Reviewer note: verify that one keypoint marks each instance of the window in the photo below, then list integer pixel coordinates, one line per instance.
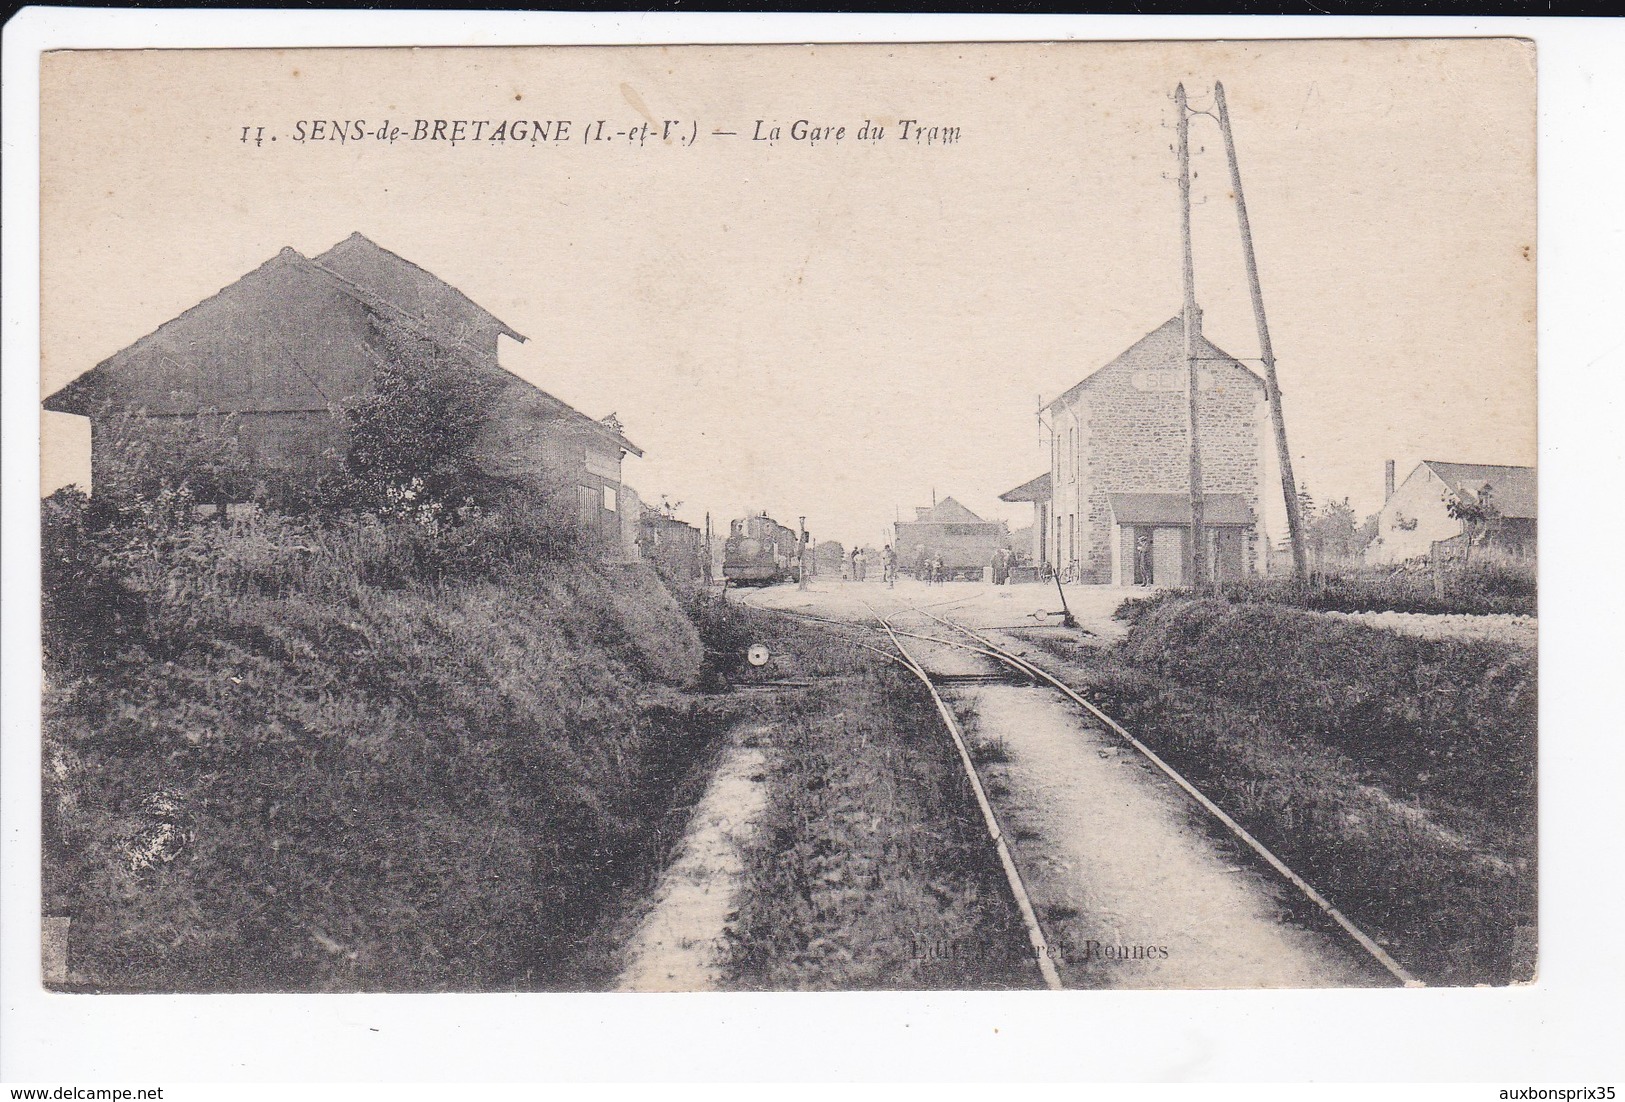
(609, 498)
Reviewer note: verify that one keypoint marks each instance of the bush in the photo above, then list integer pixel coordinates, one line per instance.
(419, 424)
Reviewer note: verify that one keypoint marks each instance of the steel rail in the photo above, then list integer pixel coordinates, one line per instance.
(1018, 888)
(850, 626)
(1360, 937)
(1037, 673)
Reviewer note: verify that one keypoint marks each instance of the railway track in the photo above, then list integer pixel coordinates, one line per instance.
(967, 639)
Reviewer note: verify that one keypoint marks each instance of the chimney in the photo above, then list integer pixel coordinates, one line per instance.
(1387, 480)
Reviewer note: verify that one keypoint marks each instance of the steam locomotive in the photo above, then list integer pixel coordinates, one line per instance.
(760, 551)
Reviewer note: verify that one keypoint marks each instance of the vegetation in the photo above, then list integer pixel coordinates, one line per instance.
(299, 754)
(397, 729)
(1478, 514)
(872, 868)
(418, 426)
(381, 726)
(1485, 586)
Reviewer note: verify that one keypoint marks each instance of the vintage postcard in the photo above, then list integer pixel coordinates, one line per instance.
(784, 518)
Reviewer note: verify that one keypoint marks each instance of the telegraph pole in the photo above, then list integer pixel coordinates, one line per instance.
(708, 547)
(1192, 320)
(801, 556)
(1272, 389)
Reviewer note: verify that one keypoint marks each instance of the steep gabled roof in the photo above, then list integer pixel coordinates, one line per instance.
(1037, 489)
(167, 342)
(386, 277)
(1513, 489)
(948, 511)
(1163, 348)
(375, 277)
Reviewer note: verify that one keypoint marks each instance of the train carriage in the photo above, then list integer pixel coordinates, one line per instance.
(760, 551)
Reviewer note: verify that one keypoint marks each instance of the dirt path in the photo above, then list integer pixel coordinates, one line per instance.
(680, 945)
(1134, 892)
(1520, 631)
(1135, 885)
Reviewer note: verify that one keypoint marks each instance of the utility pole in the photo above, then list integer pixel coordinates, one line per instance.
(1272, 389)
(1192, 321)
(801, 556)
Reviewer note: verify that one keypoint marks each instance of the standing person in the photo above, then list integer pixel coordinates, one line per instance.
(852, 564)
(888, 563)
(1143, 559)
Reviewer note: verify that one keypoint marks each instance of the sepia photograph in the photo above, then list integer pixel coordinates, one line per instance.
(784, 518)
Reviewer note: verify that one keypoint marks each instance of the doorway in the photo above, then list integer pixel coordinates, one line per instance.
(1168, 556)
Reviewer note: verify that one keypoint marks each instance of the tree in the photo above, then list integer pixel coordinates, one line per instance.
(1477, 513)
(415, 433)
(1306, 501)
(1368, 531)
(1334, 532)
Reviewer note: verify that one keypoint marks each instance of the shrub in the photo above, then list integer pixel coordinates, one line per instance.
(419, 424)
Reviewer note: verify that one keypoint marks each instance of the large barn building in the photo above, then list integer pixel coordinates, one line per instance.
(1115, 506)
(276, 357)
(947, 530)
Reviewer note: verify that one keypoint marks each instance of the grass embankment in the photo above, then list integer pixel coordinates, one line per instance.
(1396, 774)
(871, 868)
(1485, 587)
(352, 754)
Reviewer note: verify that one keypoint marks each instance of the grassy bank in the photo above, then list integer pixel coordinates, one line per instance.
(351, 753)
(1396, 774)
(1483, 587)
(872, 869)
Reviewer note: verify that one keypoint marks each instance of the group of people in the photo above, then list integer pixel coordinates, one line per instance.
(929, 567)
(856, 567)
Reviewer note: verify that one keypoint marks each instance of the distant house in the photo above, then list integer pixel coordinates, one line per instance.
(964, 541)
(1415, 520)
(275, 358)
(1118, 507)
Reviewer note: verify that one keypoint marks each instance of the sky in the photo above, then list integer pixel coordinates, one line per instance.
(842, 329)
